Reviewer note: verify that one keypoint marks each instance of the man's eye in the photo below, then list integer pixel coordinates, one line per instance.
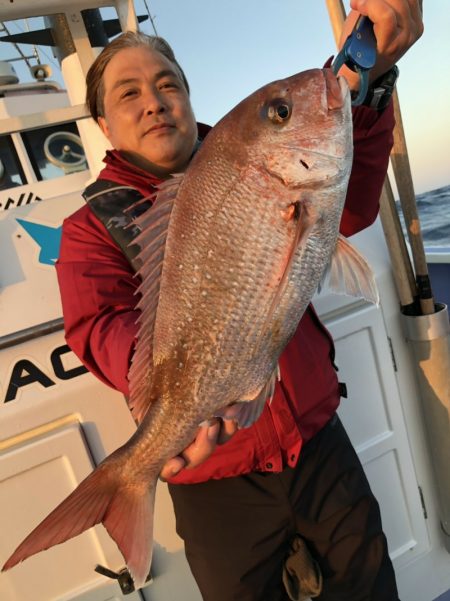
(129, 93)
(168, 84)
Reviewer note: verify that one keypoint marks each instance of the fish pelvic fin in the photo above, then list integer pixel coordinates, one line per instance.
(350, 274)
(246, 412)
(125, 511)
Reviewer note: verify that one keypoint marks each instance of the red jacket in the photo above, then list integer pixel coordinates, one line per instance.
(98, 295)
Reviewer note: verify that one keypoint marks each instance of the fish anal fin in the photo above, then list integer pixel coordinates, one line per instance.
(153, 225)
(350, 274)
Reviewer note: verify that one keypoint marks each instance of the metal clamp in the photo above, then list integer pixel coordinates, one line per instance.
(359, 54)
(123, 578)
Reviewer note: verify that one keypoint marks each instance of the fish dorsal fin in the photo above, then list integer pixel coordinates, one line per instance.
(350, 274)
(151, 241)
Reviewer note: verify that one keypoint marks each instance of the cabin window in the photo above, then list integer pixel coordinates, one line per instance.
(55, 151)
(11, 174)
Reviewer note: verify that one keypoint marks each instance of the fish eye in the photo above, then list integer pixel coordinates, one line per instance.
(279, 111)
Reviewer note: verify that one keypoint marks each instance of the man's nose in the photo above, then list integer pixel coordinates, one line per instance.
(154, 102)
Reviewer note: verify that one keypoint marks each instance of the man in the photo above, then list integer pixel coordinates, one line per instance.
(239, 505)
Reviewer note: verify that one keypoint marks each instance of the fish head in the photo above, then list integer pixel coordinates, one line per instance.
(313, 143)
(298, 130)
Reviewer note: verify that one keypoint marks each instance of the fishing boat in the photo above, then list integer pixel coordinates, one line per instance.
(57, 421)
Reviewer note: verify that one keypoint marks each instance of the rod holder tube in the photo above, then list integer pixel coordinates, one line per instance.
(429, 338)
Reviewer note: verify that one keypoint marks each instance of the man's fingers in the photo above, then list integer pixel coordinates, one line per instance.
(199, 450)
(397, 23)
(232, 411)
(203, 445)
(228, 429)
(171, 468)
(209, 435)
(213, 431)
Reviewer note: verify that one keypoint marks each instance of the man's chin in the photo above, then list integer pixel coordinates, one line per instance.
(174, 160)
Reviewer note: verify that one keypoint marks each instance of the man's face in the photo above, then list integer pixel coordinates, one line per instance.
(147, 112)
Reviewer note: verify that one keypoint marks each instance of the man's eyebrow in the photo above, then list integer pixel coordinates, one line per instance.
(134, 80)
(124, 82)
(166, 73)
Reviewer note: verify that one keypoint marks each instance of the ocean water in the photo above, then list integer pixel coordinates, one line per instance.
(434, 214)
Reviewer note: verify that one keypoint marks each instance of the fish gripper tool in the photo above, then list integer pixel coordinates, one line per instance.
(359, 54)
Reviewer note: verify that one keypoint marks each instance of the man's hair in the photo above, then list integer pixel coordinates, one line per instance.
(95, 89)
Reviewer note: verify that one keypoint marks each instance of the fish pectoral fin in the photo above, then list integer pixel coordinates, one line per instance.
(247, 412)
(305, 218)
(350, 274)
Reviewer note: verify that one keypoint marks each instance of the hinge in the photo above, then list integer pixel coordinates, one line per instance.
(422, 500)
(394, 363)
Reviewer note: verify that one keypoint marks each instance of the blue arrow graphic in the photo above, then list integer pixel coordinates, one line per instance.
(46, 237)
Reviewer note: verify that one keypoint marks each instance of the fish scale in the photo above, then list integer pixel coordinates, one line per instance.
(237, 307)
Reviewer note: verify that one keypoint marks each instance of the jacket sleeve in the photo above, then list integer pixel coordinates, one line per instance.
(372, 143)
(97, 287)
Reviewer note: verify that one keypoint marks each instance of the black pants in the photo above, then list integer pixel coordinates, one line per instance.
(237, 531)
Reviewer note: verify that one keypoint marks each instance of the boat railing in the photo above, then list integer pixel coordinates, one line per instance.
(33, 86)
(55, 116)
(31, 333)
(438, 254)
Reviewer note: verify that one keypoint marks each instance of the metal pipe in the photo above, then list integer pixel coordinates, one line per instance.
(41, 329)
(429, 338)
(62, 37)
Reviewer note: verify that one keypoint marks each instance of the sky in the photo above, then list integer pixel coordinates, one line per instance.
(230, 48)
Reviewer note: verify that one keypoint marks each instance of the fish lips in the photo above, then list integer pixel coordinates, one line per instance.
(337, 90)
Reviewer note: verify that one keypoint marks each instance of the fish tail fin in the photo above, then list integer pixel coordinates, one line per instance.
(129, 522)
(126, 511)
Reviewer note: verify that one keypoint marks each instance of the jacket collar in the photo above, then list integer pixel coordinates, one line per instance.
(121, 171)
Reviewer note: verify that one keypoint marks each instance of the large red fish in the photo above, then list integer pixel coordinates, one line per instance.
(232, 253)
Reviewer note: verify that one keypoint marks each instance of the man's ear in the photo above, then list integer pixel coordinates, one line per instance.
(103, 126)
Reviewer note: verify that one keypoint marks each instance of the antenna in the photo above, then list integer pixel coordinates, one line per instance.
(150, 17)
(22, 57)
(35, 48)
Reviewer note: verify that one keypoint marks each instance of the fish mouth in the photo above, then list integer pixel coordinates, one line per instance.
(336, 90)
(345, 90)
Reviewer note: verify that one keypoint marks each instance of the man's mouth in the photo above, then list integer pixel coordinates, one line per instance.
(159, 127)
